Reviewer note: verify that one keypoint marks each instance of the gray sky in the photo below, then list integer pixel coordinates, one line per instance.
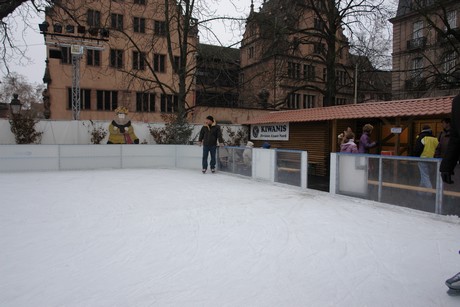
(33, 43)
(35, 50)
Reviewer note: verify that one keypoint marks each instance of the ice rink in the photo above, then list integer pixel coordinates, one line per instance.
(168, 237)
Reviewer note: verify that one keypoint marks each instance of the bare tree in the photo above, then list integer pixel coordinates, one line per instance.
(313, 31)
(28, 93)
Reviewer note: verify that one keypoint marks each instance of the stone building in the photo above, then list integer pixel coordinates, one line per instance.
(426, 42)
(283, 58)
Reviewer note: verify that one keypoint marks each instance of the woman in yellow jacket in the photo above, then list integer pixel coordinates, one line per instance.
(425, 147)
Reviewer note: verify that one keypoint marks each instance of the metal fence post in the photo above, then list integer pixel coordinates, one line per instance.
(380, 178)
(439, 189)
(304, 169)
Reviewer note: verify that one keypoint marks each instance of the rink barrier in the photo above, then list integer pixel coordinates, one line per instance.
(274, 165)
(283, 166)
(404, 181)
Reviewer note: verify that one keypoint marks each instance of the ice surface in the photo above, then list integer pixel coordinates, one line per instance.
(180, 238)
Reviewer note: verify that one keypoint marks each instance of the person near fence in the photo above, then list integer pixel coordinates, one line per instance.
(452, 155)
(266, 145)
(365, 142)
(210, 134)
(247, 153)
(449, 161)
(425, 147)
(341, 136)
(120, 129)
(443, 138)
(349, 145)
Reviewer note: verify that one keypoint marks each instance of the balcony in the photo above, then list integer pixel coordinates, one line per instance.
(416, 43)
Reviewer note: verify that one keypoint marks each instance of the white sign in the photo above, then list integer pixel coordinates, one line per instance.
(273, 132)
(76, 49)
(396, 130)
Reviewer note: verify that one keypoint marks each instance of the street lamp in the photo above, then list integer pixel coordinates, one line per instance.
(15, 105)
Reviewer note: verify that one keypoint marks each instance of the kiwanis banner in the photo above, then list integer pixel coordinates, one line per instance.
(273, 132)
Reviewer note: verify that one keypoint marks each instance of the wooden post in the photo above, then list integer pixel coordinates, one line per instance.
(334, 136)
(398, 137)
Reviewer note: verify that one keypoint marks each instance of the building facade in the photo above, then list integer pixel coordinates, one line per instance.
(118, 53)
(426, 42)
(284, 52)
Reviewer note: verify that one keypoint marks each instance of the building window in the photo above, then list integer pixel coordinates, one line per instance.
(241, 79)
(417, 67)
(341, 77)
(116, 58)
(318, 48)
(319, 24)
(117, 22)
(107, 100)
(293, 70)
(176, 64)
(85, 99)
(159, 62)
(66, 56)
(160, 28)
(293, 101)
(309, 72)
(251, 52)
(139, 25)
(452, 19)
(340, 101)
(93, 19)
(93, 57)
(417, 30)
(142, 2)
(138, 60)
(169, 103)
(449, 62)
(308, 101)
(145, 102)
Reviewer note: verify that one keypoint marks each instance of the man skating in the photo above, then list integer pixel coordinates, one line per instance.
(209, 135)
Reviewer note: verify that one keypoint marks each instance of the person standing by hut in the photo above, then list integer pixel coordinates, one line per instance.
(448, 164)
(425, 147)
(365, 142)
(348, 144)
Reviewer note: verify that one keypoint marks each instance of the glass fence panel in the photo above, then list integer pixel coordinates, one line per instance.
(403, 181)
(235, 160)
(410, 183)
(288, 167)
(451, 196)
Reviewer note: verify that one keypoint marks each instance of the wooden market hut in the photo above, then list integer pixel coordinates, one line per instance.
(315, 130)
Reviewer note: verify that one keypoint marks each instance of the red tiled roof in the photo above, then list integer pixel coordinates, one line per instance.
(396, 108)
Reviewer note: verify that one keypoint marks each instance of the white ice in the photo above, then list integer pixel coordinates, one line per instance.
(168, 237)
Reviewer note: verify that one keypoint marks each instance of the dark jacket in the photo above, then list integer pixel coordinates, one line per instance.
(420, 147)
(210, 134)
(443, 139)
(452, 155)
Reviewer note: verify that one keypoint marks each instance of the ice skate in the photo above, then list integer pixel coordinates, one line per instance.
(454, 282)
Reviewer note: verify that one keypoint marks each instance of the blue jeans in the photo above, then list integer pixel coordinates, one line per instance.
(424, 169)
(206, 151)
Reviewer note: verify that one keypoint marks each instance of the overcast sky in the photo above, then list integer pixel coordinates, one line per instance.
(33, 70)
(32, 41)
